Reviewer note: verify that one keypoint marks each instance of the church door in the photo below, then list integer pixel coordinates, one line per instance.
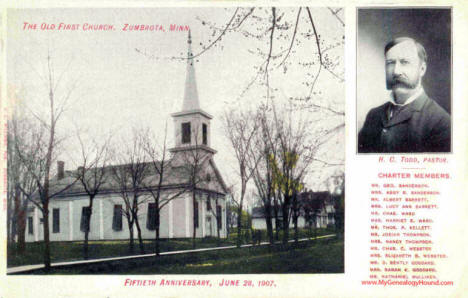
(208, 231)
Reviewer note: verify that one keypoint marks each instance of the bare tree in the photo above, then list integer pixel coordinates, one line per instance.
(92, 175)
(241, 128)
(265, 147)
(58, 99)
(160, 166)
(24, 141)
(295, 153)
(129, 177)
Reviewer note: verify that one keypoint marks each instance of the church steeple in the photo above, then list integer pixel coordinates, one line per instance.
(191, 94)
(191, 124)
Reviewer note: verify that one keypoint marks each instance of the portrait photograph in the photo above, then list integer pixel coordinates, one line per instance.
(404, 80)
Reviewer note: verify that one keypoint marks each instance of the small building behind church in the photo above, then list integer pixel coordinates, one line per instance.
(316, 209)
(192, 139)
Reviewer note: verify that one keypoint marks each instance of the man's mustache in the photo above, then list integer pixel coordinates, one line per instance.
(401, 81)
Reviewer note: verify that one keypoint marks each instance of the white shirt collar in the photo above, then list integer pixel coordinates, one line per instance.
(409, 100)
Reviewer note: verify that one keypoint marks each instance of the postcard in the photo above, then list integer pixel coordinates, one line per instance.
(177, 149)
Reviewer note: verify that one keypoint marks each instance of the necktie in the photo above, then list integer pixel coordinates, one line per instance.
(394, 110)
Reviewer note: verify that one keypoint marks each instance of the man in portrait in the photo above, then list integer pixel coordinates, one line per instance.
(410, 121)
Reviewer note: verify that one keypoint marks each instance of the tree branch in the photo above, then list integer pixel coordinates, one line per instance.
(293, 37)
(335, 13)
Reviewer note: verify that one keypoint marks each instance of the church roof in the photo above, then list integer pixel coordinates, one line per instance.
(175, 177)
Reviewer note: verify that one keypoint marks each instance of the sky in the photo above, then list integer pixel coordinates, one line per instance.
(118, 88)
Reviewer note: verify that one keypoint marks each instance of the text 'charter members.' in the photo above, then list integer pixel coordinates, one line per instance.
(410, 121)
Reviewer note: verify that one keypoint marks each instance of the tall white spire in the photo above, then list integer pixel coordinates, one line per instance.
(191, 95)
(191, 124)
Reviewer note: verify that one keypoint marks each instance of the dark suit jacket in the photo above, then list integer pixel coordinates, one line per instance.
(421, 126)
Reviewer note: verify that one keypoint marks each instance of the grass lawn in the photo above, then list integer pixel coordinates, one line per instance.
(70, 251)
(322, 256)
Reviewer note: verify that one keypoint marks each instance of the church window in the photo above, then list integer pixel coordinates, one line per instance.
(205, 134)
(56, 220)
(85, 216)
(208, 204)
(186, 133)
(195, 213)
(117, 218)
(30, 225)
(151, 218)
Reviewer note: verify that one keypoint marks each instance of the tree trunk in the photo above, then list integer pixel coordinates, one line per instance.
(9, 224)
(285, 221)
(218, 224)
(267, 208)
(157, 236)
(88, 228)
(16, 212)
(132, 242)
(157, 249)
(239, 226)
(219, 235)
(85, 246)
(218, 228)
(269, 226)
(194, 219)
(45, 195)
(310, 230)
(295, 217)
(277, 225)
(20, 215)
(339, 218)
(140, 239)
(45, 214)
(21, 231)
(296, 230)
(315, 228)
(12, 216)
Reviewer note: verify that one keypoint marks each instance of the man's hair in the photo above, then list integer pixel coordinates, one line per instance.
(421, 51)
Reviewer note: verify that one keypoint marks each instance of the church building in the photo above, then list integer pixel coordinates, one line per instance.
(192, 150)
